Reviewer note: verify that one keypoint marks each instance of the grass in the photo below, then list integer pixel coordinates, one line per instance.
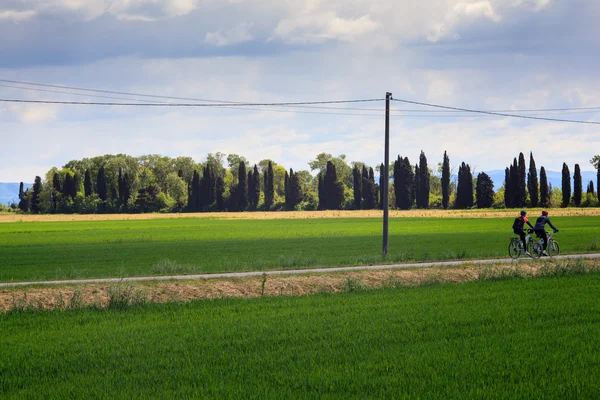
(514, 338)
(87, 249)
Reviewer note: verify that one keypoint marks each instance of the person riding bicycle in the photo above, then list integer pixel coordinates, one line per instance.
(518, 226)
(540, 229)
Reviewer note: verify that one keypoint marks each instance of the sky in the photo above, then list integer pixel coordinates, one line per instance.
(476, 54)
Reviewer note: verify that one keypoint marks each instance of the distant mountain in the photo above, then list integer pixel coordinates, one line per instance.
(9, 192)
(555, 178)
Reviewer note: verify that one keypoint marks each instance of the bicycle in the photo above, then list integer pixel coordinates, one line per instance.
(536, 247)
(515, 247)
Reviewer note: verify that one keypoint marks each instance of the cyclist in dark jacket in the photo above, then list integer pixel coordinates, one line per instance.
(518, 226)
(540, 229)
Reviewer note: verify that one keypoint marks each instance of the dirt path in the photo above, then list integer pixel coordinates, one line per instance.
(102, 292)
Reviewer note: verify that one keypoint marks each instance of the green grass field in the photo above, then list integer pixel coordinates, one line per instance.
(65, 250)
(519, 338)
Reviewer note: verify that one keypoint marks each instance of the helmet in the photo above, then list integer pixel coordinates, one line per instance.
(544, 212)
(523, 212)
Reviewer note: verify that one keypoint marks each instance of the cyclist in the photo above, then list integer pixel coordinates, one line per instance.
(540, 229)
(518, 226)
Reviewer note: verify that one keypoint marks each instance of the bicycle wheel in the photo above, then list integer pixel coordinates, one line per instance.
(514, 251)
(553, 248)
(535, 249)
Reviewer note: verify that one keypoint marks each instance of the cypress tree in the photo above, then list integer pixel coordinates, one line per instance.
(577, 186)
(294, 191)
(368, 191)
(121, 187)
(403, 183)
(286, 184)
(256, 186)
(532, 182)
(56, 183)
(590, 188)
(522, 171)
(372, 191)
(219, 190)
(101, 184)
(484, 190)
(87, 183)
(69, 186)
(417, 186)
(21, 194)
(515, 180)
(507, 189)
(269, 186)
(35, 195)
(196, 192)
(251, 202)
(357, 179)
(544, 193)
(464, 189)
(422, 189)
(566, 186)
(242, 189)
(321, 193)
(598, 181)
(333, 189)
(126, 188)
(25, 201)
(445, 181)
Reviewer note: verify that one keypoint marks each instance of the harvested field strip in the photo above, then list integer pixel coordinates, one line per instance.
(487, 213)
(98, 295)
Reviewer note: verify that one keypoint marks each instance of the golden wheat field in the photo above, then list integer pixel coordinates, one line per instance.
(10, 217)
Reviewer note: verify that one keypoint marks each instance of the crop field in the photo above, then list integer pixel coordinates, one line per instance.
(36, 250)
(515, 338)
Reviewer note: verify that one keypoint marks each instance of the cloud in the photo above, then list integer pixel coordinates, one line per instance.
(238, 34)
(16, 15)
(36, 113)
(317, 28)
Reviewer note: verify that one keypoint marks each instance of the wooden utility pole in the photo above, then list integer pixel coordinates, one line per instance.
(386, 178)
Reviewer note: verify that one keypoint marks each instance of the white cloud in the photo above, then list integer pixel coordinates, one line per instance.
(316, 28)
(238, 34)
(16, 15)
(36, 113)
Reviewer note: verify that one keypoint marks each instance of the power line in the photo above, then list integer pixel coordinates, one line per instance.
(299, 105)
(497, 113)
(228, 105)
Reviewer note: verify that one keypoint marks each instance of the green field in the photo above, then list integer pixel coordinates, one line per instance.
(520, 338)
(59, 250)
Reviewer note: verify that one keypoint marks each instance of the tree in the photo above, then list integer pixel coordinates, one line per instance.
(234, 162)
(294, 191)
(87, 184)
(484, 190)
(334, 191)
(368, 186)
(507, 188)
(21, 191)
(577, 186)
(422, 184)
(219, 191)
(357, 179)
(321, 192)
(269, 186)
(544, 193)
(69, 186)
(58, 187)
(254, 194)
(595, 161)
(590, 188)
(343, 170)
(23, 199)
(176, 188)
(522, 183)
(101, 184)
(35, 195)
(146, 199)
(464, 189)
(242, 188)
(445, 181)
(194, 200)
(403, 183)
(566, 186)
(532, 182)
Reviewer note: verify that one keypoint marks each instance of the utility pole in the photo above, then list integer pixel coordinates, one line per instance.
(385, 172)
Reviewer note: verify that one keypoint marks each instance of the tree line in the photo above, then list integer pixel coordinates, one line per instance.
(153, 183)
